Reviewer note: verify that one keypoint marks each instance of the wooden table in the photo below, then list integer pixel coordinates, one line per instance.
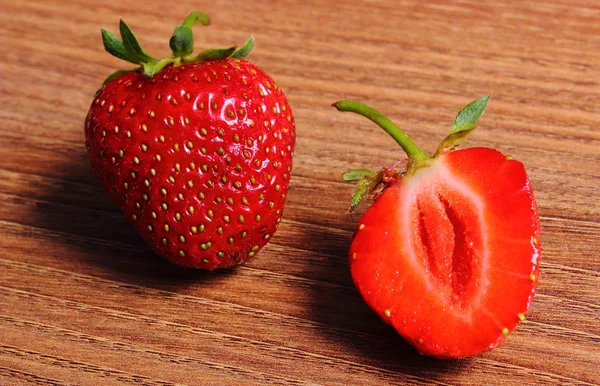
(84, 301)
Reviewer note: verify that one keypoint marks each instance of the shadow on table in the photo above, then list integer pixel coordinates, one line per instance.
(350, 323)
(100, 236)
(107, 246)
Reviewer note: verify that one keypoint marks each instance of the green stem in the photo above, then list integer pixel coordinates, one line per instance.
(196, 17)
(414, 153)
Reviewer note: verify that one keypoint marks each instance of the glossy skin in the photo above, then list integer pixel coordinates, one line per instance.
(198, 158)
(450, 255)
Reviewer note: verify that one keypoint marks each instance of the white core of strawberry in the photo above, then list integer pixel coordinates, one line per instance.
(437, 177)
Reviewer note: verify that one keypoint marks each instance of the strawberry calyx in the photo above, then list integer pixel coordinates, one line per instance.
(181, 43)
(465, 121)
(369, 182)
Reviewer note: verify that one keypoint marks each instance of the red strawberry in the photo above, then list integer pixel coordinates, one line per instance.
(449, 252)
(196, 149)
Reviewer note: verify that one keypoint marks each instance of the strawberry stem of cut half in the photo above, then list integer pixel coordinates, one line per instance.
(182, 46)
(414, 153)
(464, 122)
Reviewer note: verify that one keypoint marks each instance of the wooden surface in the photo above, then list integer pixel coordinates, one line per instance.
(83, 300)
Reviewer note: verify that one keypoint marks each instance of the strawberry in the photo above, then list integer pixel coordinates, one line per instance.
(196, 149)
(449, 252)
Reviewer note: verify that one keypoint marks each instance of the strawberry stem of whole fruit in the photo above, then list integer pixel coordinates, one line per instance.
(464, 122)
(181, 43)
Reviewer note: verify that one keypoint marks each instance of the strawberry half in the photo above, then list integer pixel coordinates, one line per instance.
(196, 149)
(449, 252)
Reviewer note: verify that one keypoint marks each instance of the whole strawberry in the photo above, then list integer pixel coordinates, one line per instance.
(196, 149)
(449, 252)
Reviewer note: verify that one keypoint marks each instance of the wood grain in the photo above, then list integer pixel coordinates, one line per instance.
(84, 301)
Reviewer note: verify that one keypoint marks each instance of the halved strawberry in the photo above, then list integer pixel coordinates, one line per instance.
(449, 252)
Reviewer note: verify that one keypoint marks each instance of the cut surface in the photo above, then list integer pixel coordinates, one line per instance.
(449, 256)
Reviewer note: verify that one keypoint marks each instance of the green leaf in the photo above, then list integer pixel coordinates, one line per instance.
(154, 66)
(132, 45)
(196, 17)
(362, 189)
(466, 120)
(366, 184)
(114, 46)
(245, 50)
(182, 41)
(357, 174)
(215, 54)
(451, 142)
(115, 74)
